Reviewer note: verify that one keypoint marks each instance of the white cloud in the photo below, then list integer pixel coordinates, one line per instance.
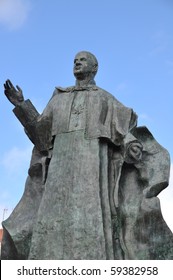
(166, 198)
(15, 159)
(14, 13)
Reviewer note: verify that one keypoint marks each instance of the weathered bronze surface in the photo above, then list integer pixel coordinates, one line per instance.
(93, 181)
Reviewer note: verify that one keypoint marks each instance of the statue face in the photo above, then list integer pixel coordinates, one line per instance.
(83, 65)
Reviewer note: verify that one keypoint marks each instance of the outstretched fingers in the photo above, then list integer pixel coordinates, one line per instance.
(8, 85)
(5, 86)
(18, 88)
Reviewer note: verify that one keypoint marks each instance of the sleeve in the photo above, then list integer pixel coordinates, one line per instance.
(126, 121)
(37, 127)
(26, 112)
(128, 142)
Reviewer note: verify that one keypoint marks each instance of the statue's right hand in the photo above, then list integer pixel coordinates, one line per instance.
(15, 96)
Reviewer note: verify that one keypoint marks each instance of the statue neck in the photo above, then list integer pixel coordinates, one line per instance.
(81, 83)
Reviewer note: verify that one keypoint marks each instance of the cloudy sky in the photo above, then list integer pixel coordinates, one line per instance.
(133, 41)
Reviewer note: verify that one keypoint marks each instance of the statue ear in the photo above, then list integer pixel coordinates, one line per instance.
(95, 68)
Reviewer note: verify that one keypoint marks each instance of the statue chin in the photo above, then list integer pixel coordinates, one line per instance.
(79, 75)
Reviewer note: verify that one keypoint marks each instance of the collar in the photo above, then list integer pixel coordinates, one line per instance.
(77, 88)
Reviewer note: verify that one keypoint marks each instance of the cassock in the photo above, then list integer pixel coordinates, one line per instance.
(84, 198)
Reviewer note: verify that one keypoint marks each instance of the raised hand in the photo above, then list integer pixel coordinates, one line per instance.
(14, 95)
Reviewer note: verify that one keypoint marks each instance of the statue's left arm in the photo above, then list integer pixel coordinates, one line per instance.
(132, 149)
(125, 120)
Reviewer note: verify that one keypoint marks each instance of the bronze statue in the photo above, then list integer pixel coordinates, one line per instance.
(93, 181)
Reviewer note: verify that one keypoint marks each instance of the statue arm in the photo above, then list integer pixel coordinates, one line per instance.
(125, 120)
(37, 127)
(132, 149)
(26, 112)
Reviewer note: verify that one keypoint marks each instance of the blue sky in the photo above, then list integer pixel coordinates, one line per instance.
(133, 41)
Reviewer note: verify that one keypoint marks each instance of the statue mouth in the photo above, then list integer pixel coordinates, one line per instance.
(77, 68)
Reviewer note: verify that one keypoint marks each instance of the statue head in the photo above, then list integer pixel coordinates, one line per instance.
(85, 66)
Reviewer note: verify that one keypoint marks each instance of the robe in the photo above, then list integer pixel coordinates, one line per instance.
(84, 197)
